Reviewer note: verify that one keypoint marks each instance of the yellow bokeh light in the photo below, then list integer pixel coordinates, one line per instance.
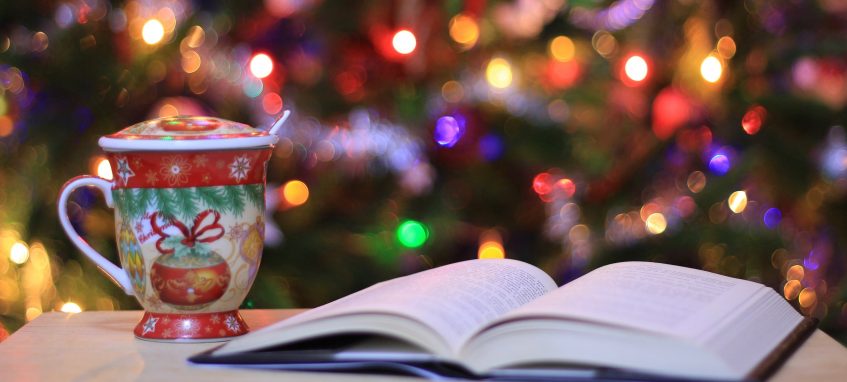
(71, 307)
(711, 69)
(656, 223)
(737, 201)
(562, 48)
(726, 47)
(261, 65)
(404, 41)
(796, 272)
(499, 73)
(807, 298)
(19, 253)
(792, 289)
(636, 68)
(464, 30)
(32, 312)
(491, 250)
(104, 170)
(295, 192)
(191, 61)
(153, 31)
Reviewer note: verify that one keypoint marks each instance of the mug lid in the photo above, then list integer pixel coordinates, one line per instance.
(187, 133)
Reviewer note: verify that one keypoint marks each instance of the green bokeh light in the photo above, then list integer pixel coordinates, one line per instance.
(412, 234)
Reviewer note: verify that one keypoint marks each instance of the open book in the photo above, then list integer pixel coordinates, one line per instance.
(507, 319)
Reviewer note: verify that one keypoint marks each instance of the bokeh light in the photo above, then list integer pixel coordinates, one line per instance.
(719, 164)
(498, 72)
(772, 217)
(542, 184)
(32, 313)
(795, 272)
(153, 31)
(562, 48)
(696, 181)
(104, 170)
(807, 298)
(711, 69)
(452, 91)
(636, 68)
(71, 307)
(491, 245)
(272, 103)
(753, 119)
(737, 201)
(792, 289)
(19, 253)
(295, 193)
(404, 41)
(6, 126)
(656, 223)
(412, 234)
(261, 65)
(726, 47)
(448, 131)
(464, 30)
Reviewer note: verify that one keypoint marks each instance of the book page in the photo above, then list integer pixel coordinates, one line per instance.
(453, 300)
(655, 297)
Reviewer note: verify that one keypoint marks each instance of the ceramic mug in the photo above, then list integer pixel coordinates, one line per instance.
(188, 195)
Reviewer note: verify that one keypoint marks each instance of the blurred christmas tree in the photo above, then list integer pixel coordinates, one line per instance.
(566, 134)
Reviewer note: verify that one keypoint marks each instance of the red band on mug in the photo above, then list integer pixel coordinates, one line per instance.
(188, 168)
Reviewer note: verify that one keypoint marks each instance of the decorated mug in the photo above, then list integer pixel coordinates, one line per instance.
(188, 195)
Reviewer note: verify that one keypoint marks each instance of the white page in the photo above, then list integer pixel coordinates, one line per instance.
(455, 300)
(655, 297)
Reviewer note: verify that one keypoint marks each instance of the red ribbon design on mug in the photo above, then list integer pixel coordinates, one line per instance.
(198, 233)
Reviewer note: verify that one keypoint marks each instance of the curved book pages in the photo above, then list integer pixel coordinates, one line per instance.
(505, 319)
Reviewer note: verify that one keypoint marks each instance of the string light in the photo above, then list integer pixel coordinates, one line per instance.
(152, 32)
(711, 69)
(636, 68)
(412, 234)
(295, 193)
(404, 41)
(261, 65)
(499, 73)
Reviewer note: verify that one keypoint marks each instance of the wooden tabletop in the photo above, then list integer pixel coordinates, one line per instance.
(99, 346)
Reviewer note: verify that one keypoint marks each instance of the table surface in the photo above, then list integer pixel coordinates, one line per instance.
(99, 346)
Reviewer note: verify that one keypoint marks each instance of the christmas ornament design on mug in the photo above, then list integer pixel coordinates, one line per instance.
(189, 203)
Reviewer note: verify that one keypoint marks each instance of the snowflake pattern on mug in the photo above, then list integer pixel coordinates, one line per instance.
(232, 324)
(239, 167)
(175, 169)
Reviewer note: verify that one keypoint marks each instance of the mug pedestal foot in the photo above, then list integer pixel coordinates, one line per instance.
(190, 327)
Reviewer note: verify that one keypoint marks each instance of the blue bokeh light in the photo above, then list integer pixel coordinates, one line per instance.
(719, 164)
(448, 130)
(772, 217)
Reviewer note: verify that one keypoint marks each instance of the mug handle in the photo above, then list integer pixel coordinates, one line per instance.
(111, 270)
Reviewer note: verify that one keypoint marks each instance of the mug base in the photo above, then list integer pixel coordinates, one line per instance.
(190, 327)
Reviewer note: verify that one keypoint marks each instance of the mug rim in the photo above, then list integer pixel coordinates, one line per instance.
(121, 144)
